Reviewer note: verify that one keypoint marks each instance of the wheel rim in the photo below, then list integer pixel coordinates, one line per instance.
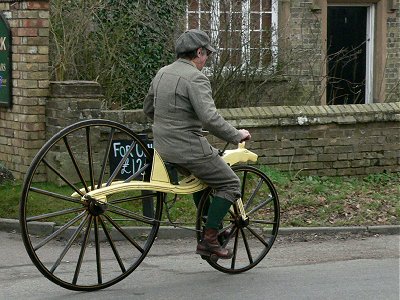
(252, 239)
(97, 244)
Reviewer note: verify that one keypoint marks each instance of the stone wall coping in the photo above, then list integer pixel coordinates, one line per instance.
(289, 115)
(75, 89)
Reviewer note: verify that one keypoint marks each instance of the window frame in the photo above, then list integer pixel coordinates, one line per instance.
(245, 37)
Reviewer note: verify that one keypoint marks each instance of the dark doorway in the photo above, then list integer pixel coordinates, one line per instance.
(347, 32)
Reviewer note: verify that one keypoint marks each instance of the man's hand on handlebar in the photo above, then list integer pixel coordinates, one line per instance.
(245, 135)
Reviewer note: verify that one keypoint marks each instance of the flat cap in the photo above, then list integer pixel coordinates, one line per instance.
(191, 40)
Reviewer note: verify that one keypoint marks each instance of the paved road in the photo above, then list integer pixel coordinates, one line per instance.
(299, 267)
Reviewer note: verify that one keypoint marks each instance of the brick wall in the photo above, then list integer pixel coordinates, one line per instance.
(22, 127)
(304, 56)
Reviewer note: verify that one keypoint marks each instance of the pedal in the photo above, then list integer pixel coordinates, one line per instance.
(214, 258)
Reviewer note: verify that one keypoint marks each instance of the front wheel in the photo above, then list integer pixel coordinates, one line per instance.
(93, 244)
(249, 239)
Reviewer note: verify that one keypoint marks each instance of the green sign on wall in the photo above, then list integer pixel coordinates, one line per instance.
(5, 63)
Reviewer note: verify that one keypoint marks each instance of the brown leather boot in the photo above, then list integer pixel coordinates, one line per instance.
(209, 245)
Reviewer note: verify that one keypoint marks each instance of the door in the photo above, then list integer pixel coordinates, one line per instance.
(349, 54)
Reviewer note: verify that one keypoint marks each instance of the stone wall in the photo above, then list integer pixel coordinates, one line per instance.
(22, 127)
(315, 140)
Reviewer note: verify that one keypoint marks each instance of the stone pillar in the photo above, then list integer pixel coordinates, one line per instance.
(22, 127)
(70, 102)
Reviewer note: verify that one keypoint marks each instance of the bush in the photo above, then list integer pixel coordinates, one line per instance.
(5, 174)
(119, 43)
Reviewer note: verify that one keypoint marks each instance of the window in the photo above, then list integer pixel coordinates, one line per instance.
(243, 31)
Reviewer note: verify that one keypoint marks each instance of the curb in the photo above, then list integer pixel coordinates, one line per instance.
(170, 232)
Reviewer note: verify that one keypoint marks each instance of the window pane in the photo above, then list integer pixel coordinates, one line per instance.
(193, 21)
(225, 5)
(255, 5)
(236, 58)
(266, 21)
(193, 5)
(236, 40)
(255, 58)
(266, 57)
(237, 5)
(205, 22)
(205, 5)
(236, 22)
(266, 39)
(267, 5)
(255, 21)
(255, 39)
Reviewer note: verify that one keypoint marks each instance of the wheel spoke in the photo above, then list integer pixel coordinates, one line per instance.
(114, 249)
(258, 236)
(69, 244)
(263, 222)
(235, 247)
(78, 170)
(260, 182)
(106, 154)
(262, 204)
(54, 214)
(62, 177)
(246, 245)
(129, 214)
(122, 231)
(133, 176)
(90, 156)
(58, 231)
(97, 245)
(122, 161)
(83, 249)
(244, 183)
(55, 195)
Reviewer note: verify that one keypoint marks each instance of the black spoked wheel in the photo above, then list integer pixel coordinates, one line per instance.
(79, 242)
(249, 239)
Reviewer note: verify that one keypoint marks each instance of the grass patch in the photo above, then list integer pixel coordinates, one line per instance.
(305, 201)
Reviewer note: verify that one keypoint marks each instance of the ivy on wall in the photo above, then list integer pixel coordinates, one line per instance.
(119, 43)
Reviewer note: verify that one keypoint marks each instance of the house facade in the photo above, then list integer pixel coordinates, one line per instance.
(311, 52)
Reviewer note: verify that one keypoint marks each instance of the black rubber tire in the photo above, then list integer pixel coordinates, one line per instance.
(252, 240)
(123, 229)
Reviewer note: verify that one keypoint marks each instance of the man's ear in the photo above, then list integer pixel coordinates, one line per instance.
(199, 52)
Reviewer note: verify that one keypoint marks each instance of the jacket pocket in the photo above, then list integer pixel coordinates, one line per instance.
(207, 150)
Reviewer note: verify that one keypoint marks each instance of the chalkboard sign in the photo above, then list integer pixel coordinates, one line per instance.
(135, 161)
(5, 63)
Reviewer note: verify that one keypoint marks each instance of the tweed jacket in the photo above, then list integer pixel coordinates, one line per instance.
(181, 105)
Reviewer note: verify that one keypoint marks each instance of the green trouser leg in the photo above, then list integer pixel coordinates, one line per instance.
(197, 197)
(217, 211)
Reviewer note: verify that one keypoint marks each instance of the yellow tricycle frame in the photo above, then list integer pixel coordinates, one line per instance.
(160, 179)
